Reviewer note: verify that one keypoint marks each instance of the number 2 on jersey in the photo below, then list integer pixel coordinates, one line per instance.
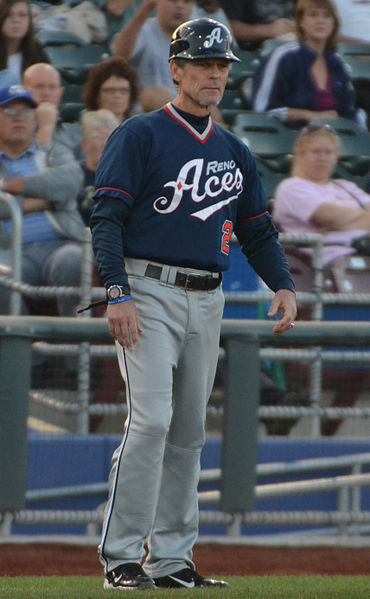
(227, 229)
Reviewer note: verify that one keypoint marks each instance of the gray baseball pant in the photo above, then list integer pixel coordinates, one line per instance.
(169, 376)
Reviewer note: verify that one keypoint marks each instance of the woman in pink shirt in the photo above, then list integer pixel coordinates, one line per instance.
(311, 201)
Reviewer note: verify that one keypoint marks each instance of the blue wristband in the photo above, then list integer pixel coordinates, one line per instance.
(125, 298)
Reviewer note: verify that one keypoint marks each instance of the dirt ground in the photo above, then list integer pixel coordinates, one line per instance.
(211, 558)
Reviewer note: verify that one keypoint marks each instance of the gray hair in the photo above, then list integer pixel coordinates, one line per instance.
(98, 119)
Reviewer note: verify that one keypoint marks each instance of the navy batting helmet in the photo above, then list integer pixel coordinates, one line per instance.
(200, 39)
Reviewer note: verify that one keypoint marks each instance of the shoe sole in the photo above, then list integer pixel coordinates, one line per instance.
(145, 585)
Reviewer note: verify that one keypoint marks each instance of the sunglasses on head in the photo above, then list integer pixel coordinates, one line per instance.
(312, 127)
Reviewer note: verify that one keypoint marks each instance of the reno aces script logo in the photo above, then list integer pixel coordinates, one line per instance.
(214, 36)
(216, 184)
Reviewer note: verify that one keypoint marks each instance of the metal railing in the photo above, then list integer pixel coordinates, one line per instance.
(242, 342)
(317, 299)
(348, 487)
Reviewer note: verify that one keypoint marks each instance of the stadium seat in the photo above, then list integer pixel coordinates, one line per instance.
(52, 37)
(354, 150)
(70, 111)
(242, 70)
(232, 99)
(73, 61)
(353, 49)
(269, 178)
(267, 138)
(72, 92)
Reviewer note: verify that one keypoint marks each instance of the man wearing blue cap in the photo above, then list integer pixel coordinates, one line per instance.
(44, 180)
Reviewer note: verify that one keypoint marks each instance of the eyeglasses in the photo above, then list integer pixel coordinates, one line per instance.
(25, 113)
(115, 90)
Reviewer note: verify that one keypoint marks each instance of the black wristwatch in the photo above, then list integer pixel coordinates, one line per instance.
(115, 292)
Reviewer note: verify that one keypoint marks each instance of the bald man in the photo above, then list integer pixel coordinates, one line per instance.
(44, 82)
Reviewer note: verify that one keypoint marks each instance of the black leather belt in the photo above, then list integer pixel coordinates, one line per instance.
(188, 281)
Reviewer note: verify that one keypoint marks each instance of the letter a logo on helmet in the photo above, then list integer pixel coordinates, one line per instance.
(202, 38)
(215, 35)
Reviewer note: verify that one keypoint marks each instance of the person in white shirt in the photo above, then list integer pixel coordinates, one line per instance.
(144, 41)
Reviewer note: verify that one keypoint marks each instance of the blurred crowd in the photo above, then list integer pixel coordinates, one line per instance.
(48, 161)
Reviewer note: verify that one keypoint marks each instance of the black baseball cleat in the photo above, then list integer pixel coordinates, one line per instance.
(188, 579)
(129, 576)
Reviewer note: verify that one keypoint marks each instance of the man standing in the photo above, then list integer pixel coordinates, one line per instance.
(171, 188)
(144, 41)
(45, 180)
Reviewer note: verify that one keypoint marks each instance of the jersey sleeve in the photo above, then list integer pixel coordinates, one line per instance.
(258, 236)
(120, 166)
(117, 185)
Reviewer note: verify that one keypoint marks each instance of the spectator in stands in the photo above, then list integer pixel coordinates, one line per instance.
(112, 84)
(311, 201)
(306, 80)
(145, 41)
(154, 97)
(253, 21)
(97, 125)
(211, 9)
(18, 46)
(117, 13)
(44, 180)
(44, 83)
(354, 19)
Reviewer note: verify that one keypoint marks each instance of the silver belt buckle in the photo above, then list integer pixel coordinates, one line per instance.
(187, 281)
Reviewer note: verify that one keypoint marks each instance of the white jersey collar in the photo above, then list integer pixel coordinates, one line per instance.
(202, 137)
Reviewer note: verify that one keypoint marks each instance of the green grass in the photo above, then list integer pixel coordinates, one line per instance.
(250, 587)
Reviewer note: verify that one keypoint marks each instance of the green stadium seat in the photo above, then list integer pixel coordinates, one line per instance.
(270, 179)
(267, 138)
(74, 62)
(242, 70)
(232, 99)
(354, 150)
(70, 111)
(58, 38)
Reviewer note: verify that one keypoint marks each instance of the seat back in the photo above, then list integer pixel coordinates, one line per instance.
(265, 136)
(74, 62)
(351, 274)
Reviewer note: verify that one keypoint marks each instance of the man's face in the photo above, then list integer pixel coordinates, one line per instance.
(17, 123)
(201, 82)
(171, 13)
(44, 85)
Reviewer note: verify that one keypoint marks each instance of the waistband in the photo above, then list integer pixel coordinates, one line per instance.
(187, 278)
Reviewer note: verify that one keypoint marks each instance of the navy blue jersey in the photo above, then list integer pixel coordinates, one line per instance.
(167, 193)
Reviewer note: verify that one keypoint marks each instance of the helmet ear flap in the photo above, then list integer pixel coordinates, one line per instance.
(178, 46)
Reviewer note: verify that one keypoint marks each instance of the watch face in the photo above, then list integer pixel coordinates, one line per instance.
(114, 292)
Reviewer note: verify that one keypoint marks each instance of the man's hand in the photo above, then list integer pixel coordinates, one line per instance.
(117, 8)
(280, 27)
(324, 114)
(124, 323)
(283, 301)
(46, 117)
(35, 205)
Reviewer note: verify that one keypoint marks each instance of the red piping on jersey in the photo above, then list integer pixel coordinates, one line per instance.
(116, 189)
(189, 128)
(254, 217)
